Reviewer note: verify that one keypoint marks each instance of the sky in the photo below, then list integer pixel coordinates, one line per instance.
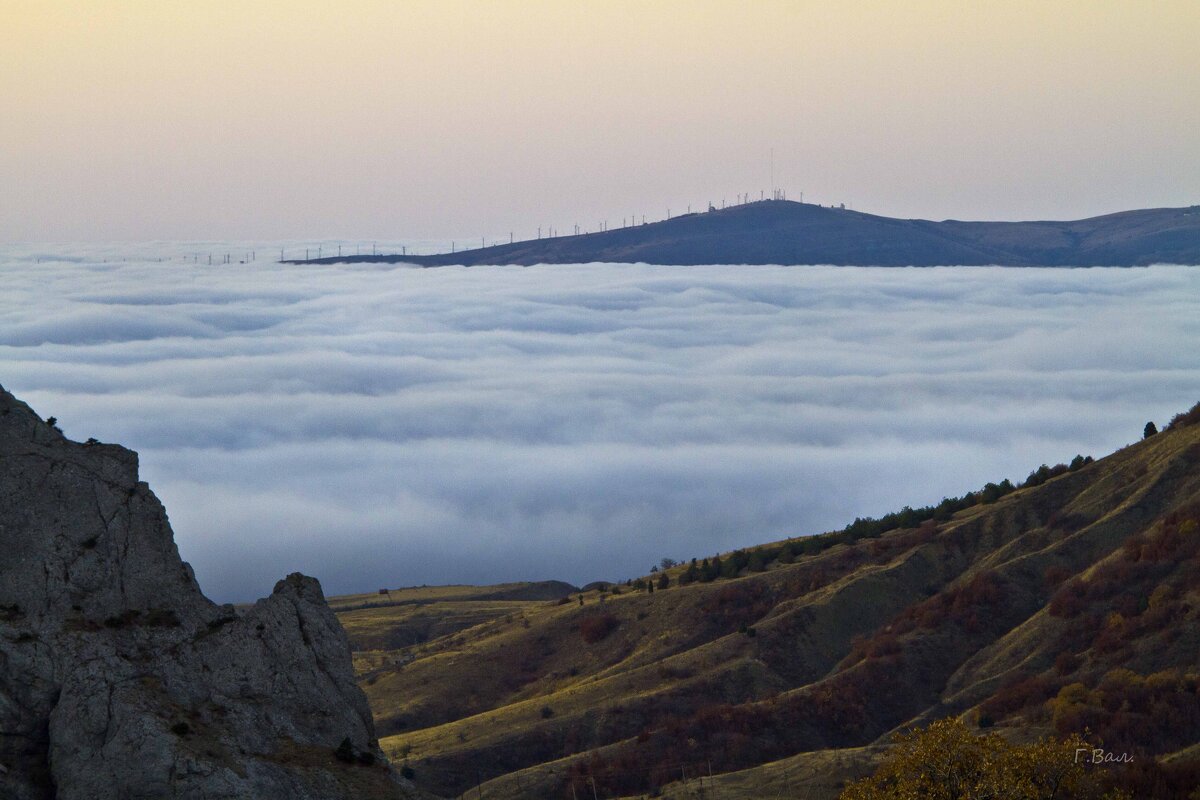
(285, 119)
(381, 426)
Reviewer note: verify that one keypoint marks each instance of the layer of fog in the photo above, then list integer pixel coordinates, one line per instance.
(391, 426)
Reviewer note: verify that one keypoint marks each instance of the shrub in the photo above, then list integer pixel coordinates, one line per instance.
(597, 627)
(1073, 708)
(1055, 575)
(946, 761)
(1043, 474)
(1070, 600)
(123, 620)
(152, 618)
(345, 751)
(1189, 417)
(994, 491)
(1019, 693)
(968, 605)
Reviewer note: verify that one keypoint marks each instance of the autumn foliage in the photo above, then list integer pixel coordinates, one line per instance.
(597, 627)
(947, 761)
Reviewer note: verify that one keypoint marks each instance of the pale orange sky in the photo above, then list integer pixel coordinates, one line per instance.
(140, 119)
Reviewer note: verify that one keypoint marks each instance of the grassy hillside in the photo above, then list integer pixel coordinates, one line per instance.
(388, 627)
(1070, 602)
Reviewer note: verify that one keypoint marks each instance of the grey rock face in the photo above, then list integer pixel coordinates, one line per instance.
(119, 679)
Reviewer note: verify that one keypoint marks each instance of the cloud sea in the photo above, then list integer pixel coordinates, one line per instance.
(386, 426)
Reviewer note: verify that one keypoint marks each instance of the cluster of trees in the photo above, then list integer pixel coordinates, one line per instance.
(731, 566)
(649, 584)
(908, 517)
(968, 607)
(945, 761)
(758, 559)
(1019, 693)
(1142, 714)
(1138, 593)
(1129, 713)
(1189, 417)
(1181, 420)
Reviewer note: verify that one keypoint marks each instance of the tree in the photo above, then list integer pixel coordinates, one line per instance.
(946, 761)
(664, 581)
(714, 569)
(1149, 430)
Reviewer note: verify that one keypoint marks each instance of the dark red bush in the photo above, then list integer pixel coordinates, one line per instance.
(596, 627)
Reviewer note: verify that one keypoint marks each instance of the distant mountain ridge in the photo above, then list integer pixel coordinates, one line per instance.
(791, 233)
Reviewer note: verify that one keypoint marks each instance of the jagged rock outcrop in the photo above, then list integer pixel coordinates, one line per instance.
(119, 679)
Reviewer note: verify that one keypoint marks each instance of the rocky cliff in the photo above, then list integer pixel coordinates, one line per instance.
(119, 679)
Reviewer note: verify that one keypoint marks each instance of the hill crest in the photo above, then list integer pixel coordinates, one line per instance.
(791, 233)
